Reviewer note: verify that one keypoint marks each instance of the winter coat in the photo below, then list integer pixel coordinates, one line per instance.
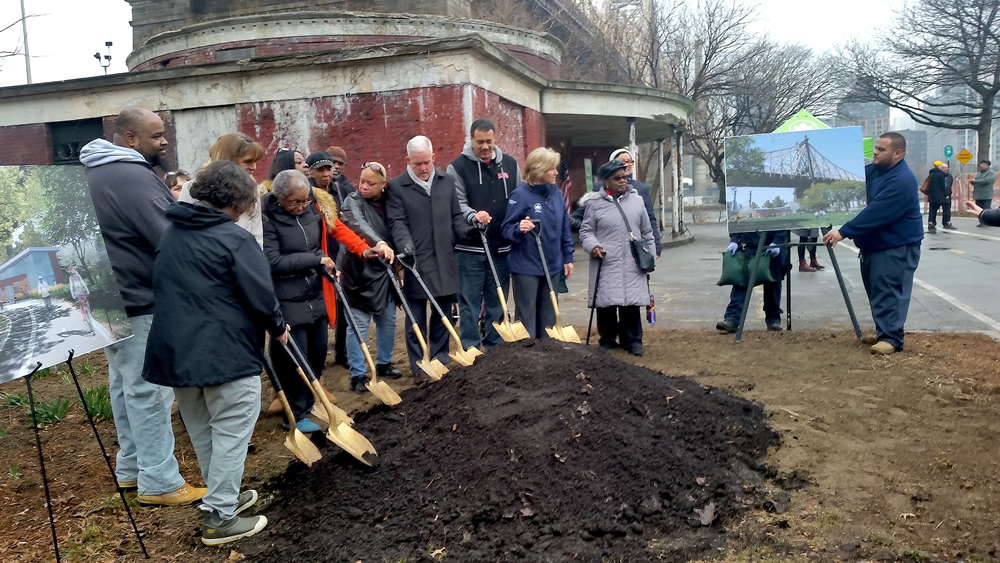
(939, 192)
(647, 201)
(427, 227)
(131, 203)
(576, 217)
(983, 184)
(892, 217)
(545, 203)
(484, 186)
(623, 284)
(990, 217)
(214, 300)
(366, 282)
(293, 248)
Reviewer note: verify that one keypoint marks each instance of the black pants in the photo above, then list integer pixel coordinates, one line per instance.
(437, 341)
(945, 213)
(312, 340)
(620, 326)
(985, 204)
(340, 338)
(532, 304)
(812, 249)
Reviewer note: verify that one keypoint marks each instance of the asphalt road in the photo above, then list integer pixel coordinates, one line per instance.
(954, 289)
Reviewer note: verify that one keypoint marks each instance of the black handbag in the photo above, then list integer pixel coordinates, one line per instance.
(645, 260)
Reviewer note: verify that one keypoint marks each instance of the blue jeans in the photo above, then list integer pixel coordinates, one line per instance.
(385, 337)
(220, 420)
(888, 278)
(142, 416)
(772, 302)
(478, 287)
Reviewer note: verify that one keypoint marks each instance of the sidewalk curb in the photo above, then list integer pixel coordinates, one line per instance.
(677, 242)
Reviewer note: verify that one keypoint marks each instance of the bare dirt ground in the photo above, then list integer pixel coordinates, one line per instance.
(886, 458)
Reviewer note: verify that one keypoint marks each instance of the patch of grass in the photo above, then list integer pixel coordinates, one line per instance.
(15, 472)
(66, 379)
(50, 413)
(91, 541)
(87, 369)
(916, 555)
(98, 402)
(878, 539)
(13, 400)
(112, 504)
(3, 433)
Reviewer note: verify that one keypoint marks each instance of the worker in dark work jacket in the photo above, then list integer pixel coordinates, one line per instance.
(484, 179)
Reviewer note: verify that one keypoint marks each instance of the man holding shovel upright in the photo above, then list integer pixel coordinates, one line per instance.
(131, 203)
(484, 177)
(888, 232)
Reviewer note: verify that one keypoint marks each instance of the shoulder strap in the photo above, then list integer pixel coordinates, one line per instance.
(624, 218)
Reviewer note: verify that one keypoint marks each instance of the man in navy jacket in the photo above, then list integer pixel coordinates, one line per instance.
(888, 233)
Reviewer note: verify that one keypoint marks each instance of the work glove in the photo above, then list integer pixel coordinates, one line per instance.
(731, 249)
(772, 250)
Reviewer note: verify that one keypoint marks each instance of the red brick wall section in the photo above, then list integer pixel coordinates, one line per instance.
(25, 144)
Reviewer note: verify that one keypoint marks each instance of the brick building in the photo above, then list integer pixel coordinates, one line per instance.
(314, 74)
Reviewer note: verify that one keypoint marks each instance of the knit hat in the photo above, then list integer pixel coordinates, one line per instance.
(609, 168)
(619, 152)
(319, 159)
(337, 152)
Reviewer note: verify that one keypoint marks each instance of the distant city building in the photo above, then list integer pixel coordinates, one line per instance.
(872, 117)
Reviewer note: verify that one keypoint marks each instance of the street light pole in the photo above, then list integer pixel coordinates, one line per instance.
(24, 32)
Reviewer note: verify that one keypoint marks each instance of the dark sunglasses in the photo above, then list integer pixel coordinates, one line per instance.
(176, 173)
(618, 178)
(374, 167)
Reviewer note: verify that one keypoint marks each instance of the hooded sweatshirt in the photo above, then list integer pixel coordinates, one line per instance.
(131, 203)
(214, 299)
(484, 186)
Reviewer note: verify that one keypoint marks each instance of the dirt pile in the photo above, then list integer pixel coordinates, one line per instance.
(542, 451)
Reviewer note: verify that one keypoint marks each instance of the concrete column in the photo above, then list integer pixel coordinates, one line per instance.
(677, 191)
(632, 148)
(662, 196)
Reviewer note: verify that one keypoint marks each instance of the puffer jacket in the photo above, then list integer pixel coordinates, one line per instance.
(623, 284)
(293, 248)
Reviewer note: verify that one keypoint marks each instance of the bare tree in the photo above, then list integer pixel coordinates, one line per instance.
(940, 63)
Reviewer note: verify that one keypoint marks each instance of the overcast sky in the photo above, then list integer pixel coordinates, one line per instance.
(63, 35)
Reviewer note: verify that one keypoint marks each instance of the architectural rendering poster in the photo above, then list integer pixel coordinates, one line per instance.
(57, 291)
(794, 180)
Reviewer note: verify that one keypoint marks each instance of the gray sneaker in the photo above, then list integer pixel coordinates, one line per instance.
(247, 499)
(214, 532)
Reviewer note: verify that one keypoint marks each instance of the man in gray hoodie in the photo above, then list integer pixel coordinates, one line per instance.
(131, 202)
(982, 186)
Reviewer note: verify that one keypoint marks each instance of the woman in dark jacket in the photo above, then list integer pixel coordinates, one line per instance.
(939, 195)
(214, 300)
(537, 199)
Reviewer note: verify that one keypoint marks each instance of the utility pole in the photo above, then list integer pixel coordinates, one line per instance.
(24, 32)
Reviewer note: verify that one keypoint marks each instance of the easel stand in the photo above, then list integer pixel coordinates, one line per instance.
(788, 281)
(41, 457)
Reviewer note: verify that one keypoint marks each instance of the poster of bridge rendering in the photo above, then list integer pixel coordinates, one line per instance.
(57, 290)
(794, 180)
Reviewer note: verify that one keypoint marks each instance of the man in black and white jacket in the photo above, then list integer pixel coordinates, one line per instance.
(484, 178)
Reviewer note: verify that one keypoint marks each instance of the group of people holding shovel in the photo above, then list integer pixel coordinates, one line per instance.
(204, 277)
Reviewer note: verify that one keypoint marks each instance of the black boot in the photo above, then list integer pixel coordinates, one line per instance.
(388, 371)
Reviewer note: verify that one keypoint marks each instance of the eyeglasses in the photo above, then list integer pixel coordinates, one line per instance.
(374, 167)
(297, 204)
(176, 173)
(618, 178)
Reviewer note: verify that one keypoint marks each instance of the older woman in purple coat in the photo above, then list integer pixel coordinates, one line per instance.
(623, 288)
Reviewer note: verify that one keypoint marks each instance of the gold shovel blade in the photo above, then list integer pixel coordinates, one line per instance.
(563, 333)
(301, 447)
(429, 369)
(352, 442)
(383, 392)
(465, 357)
(511, 331)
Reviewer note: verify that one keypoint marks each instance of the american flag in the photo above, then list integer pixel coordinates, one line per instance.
(565, 183)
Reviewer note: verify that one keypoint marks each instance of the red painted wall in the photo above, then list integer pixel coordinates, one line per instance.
(26, 144)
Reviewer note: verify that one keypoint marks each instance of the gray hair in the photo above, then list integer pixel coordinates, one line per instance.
(286, 181)
(419, 144)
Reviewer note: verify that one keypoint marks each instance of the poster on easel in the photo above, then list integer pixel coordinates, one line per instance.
(797, 179)
(57, 290)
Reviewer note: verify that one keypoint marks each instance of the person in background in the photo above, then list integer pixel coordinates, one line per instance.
(78, 290)
(747, 242)
(484, 178)
(642, 189)
(284, 159)
(982, 186)
(245, 153)
(888, 233)
(426, 221)
(538, 198)
(808, 236)
(340, 186)
(366, 282)
(43, 291)
(131, 203)
(939, 195)
(605, 236)
(175, 181)
(214, 298)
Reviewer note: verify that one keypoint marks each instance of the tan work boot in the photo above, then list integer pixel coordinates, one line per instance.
(883, 348)
(185, 494)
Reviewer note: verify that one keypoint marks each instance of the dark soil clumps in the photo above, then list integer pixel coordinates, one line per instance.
(542, 451)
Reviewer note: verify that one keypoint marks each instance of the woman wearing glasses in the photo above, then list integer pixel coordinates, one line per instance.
(604, 234)
(296, 247)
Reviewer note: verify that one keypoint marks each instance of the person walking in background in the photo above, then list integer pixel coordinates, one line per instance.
(366, 282)
(538, 199)
(887, 232)
(484, 179)
(131, 203)
(939, 196)
(982, 186)
(43, 291)
(214, 298)
(807, 236)
(78, 290)
(426, 222)
(607, 237)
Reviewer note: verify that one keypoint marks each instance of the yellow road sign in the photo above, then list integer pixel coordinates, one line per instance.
(964, 156)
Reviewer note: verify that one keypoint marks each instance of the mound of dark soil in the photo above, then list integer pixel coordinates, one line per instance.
(542, 451)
